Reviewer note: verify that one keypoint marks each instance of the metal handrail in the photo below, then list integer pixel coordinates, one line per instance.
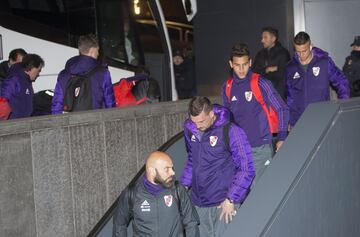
(110, 212)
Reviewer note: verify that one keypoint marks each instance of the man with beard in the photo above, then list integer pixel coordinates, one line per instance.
(156, 204)
(270, 62)
(219, 169)
(351, 68)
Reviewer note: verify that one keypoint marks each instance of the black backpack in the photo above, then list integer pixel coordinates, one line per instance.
(148, 90)
(78, 93)
(42, 102)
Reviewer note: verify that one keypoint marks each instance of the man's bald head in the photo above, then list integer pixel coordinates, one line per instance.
(156, 158)
(159, 168)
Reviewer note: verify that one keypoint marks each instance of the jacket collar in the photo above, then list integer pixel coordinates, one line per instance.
(152, 188)
(317, 55)
(239, 80)
(222, 117)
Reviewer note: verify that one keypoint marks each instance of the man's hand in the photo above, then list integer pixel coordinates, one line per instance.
(227, 211)
(278, 145)
(271, 69)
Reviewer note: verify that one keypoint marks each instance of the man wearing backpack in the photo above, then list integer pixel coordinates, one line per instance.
(256, 107)
(84, 84)
(156, 204)
(219, 169)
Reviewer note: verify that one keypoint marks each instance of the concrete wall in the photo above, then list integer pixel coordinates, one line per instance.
(59, 174)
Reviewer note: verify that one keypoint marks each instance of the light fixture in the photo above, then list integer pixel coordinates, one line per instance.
(136, 7)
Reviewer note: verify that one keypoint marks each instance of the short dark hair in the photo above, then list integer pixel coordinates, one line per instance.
(301, 38)
(86, 42)
(32, 61)
(239, 50)
(15, 52)
(271, 30)
(199, 104)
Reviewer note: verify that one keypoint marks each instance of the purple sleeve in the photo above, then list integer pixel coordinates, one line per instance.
(108, 90)
(186, 177)
(279, 106)
(338, 80)
(10, 88)
(57, 100)
(243, 159)
(225, 99)
(289, 98)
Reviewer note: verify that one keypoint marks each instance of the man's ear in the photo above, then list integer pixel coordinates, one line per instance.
(93, 52)
(151, 173)
(211, 114)
(230, 63)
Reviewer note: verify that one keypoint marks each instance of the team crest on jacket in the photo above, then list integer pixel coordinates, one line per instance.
(248, 95)
(27, 91)
(193, 139)
(168, 200)
(316, 71)
(77, 91)
(213, 140)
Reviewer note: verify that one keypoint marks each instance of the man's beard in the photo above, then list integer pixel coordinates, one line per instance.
(166, 183)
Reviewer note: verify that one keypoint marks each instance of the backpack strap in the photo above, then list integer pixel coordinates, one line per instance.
(269, 112)
(89, 73)
(142, 100)
(131, 200)
(176, 183)
(254, 85)
(189, 133)
(228, 87)
(226, 136)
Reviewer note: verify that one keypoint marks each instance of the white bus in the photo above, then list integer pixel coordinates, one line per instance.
(51, 29)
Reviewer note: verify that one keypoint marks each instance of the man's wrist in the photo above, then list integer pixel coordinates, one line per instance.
(230, 200)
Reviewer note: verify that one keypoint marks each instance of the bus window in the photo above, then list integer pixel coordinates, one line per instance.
(116, 31)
